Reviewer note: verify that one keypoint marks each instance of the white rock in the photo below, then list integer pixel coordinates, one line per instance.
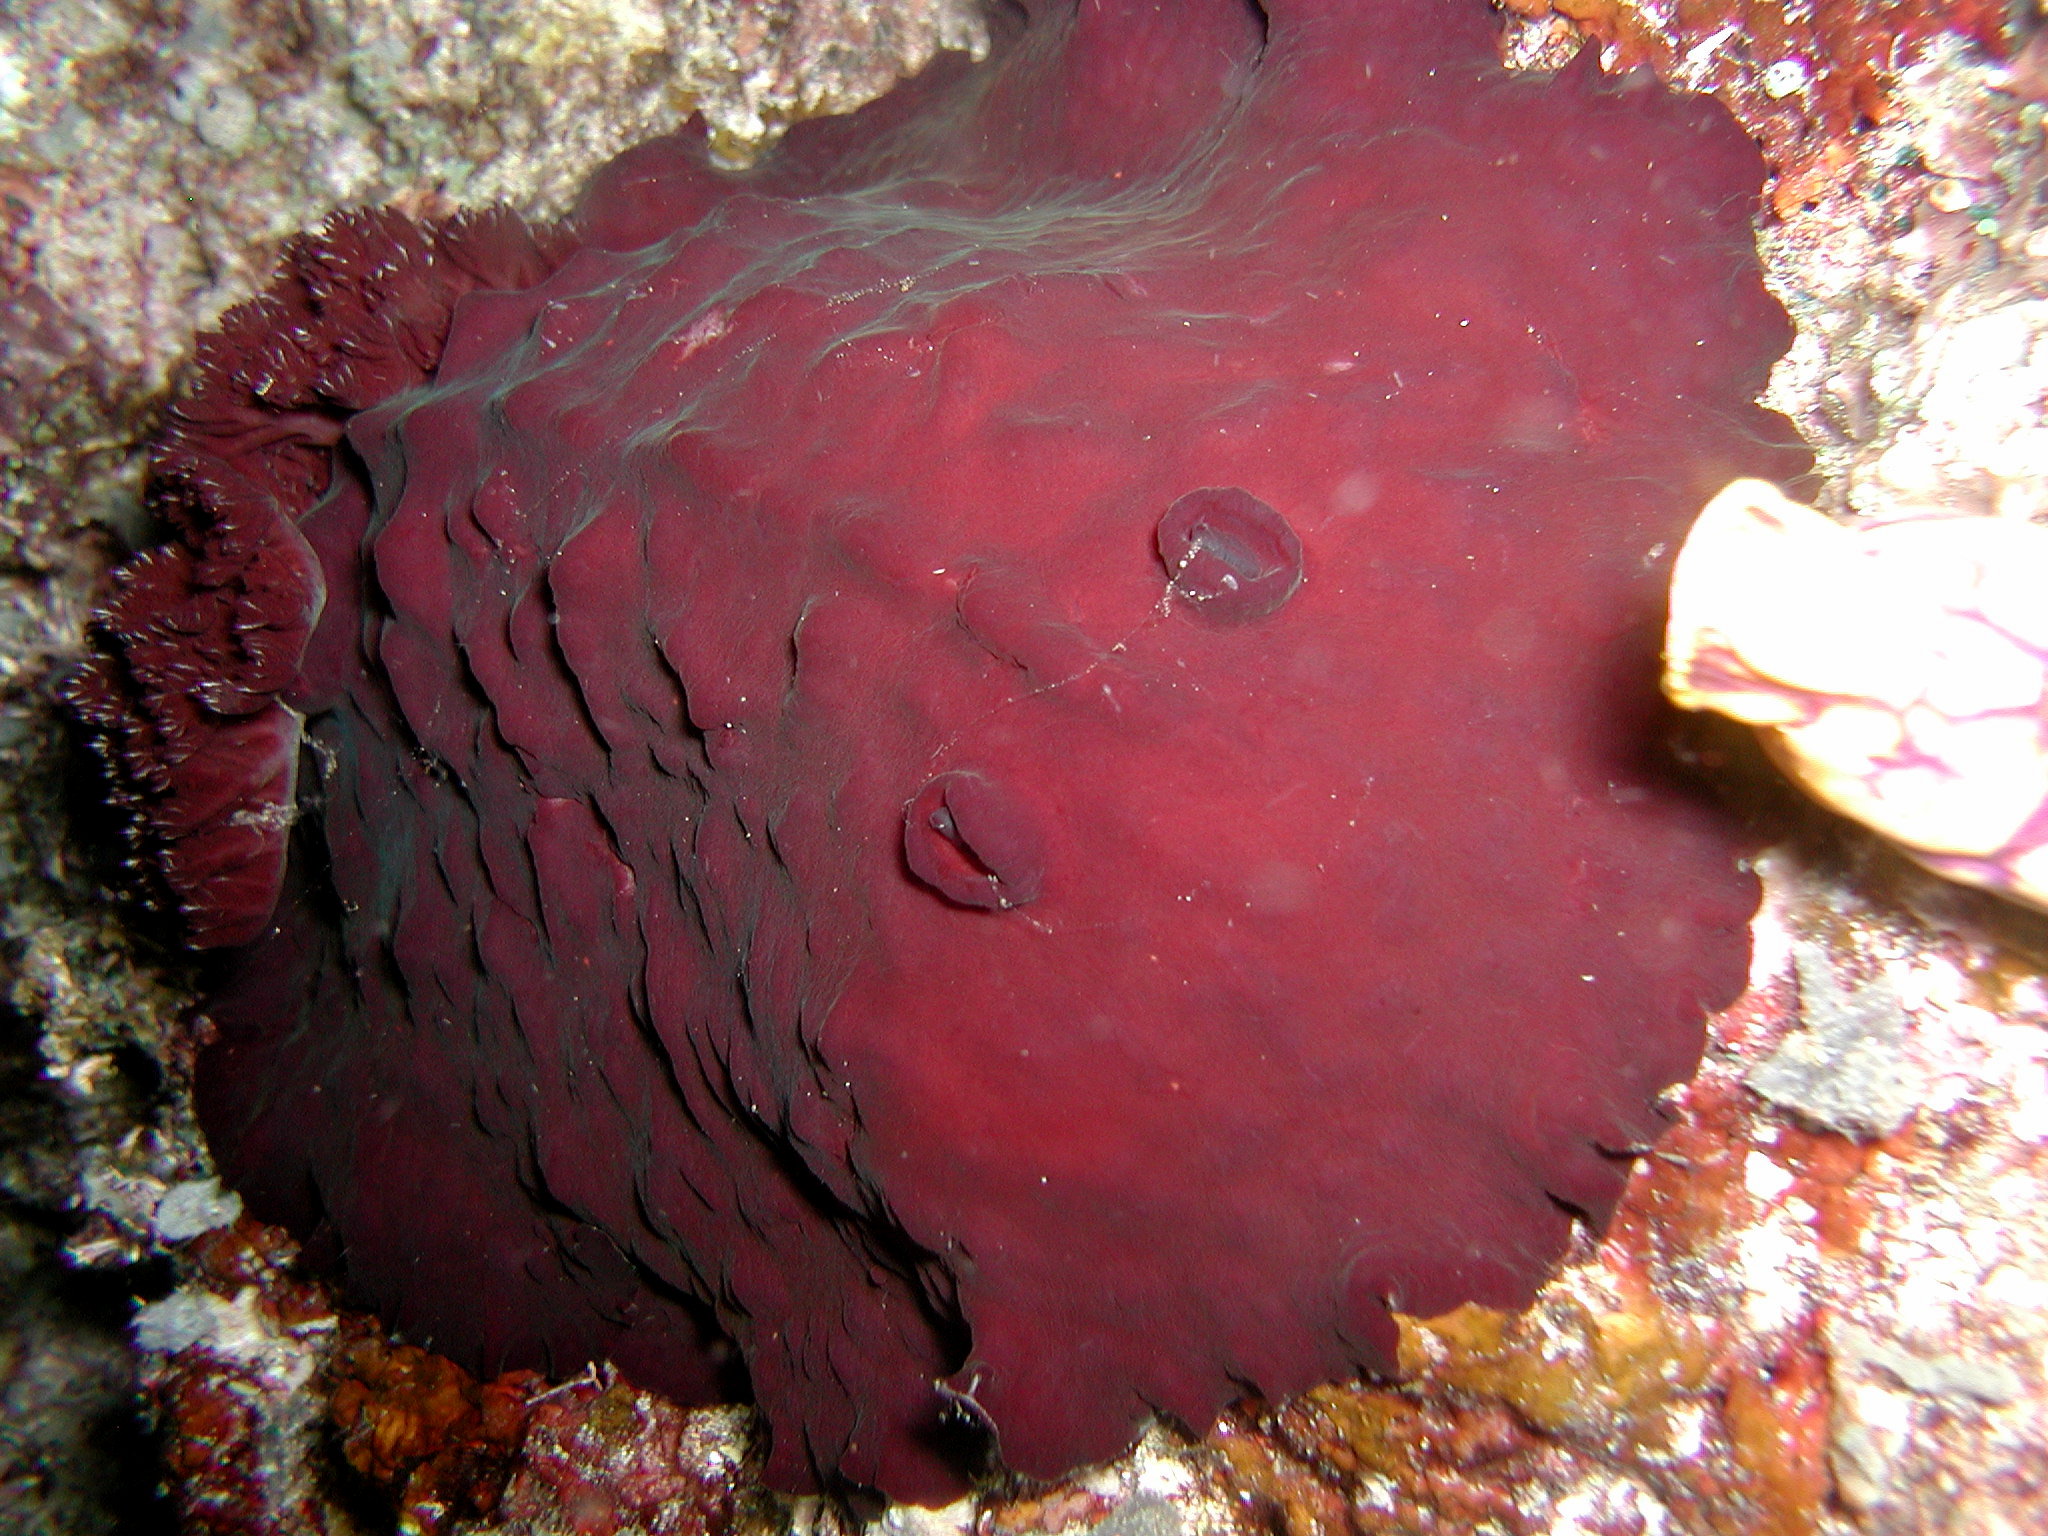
(193, 1207)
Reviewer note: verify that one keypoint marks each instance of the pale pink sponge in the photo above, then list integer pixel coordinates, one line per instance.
(1896, 671)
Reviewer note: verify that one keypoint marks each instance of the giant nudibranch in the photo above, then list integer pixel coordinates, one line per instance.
(1014, 762)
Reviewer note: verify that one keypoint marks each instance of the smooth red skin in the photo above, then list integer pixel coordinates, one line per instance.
(1368, 931)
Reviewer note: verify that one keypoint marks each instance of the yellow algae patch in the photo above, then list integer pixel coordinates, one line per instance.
(1564, 1366)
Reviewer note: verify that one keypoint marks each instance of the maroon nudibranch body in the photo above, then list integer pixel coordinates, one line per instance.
(1012, 767)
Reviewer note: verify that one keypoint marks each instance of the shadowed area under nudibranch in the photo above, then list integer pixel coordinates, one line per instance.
(1011, 767)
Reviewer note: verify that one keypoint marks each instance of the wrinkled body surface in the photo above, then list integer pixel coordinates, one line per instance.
(1022, 752)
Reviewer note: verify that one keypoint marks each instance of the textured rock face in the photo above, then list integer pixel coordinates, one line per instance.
(1020, 752)
(158, 155)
